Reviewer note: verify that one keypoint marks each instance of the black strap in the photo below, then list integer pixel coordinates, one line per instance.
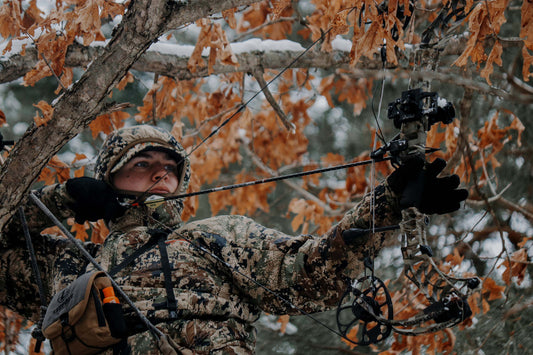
(172, 304)
(158, 237)
(37, 332)
(143, 249)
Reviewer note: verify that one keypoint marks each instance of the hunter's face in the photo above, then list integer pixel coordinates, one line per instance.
(149, 171)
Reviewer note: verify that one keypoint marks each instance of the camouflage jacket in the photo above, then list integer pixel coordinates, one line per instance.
(213, 263)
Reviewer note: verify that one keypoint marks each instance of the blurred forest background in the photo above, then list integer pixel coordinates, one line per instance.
(193, 78)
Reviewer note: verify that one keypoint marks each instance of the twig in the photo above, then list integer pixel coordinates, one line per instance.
(487, 337)
(468, 157)
(517, 308)
(212, 118)
(517, 83)
(514, 207)
(154, 100)
(255, 29)
(465, 106)
(299, 189)
(117, 107)
(471, 231)
(258, 75)
(492, 199)
(484, 168)
(47, 62)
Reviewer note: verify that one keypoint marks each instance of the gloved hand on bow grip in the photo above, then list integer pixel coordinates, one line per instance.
(94, 200)
(421, 188)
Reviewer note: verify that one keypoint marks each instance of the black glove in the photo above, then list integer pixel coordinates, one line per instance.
(421, 188)
(94, 200)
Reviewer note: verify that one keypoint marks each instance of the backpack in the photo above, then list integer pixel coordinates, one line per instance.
(77, 321)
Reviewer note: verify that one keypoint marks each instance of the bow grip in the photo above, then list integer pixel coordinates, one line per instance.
(413, 192)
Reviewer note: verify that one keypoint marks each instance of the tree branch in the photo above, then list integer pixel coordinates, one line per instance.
(258, 75)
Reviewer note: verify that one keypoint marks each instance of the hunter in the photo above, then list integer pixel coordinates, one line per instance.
(209, 309)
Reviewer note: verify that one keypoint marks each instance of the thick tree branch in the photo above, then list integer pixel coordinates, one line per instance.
(174, 65)
(161, 61)
(169, 60)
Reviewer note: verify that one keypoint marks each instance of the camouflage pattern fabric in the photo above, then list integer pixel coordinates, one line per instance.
(216, 304)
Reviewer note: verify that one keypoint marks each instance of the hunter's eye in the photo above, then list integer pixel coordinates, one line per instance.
(141, 164)
(171, 168)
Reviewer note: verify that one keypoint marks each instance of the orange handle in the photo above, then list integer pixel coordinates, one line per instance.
(109, 295)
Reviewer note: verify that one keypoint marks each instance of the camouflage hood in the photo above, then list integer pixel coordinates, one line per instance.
(118, 149)
(125, 143)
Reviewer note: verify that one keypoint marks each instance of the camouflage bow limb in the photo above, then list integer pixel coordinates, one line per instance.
(446, 294)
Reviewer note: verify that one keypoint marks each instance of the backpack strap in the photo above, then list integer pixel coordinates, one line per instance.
(158, 236)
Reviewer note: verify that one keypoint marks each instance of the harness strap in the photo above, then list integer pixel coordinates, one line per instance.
(158, 237)
(143, 249)
(172, 304)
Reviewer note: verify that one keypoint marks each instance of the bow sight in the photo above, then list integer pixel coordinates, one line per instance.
(414, 114)
(410, 107)
(365, 314)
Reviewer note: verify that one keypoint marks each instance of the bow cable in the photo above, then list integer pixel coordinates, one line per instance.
(378, 134)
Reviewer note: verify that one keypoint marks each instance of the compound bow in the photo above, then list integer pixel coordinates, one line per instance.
(367, 303)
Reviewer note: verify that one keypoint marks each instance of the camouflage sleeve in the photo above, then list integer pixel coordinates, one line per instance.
(59, 264)
(55, 197)
(310, 271)
(59, 261)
